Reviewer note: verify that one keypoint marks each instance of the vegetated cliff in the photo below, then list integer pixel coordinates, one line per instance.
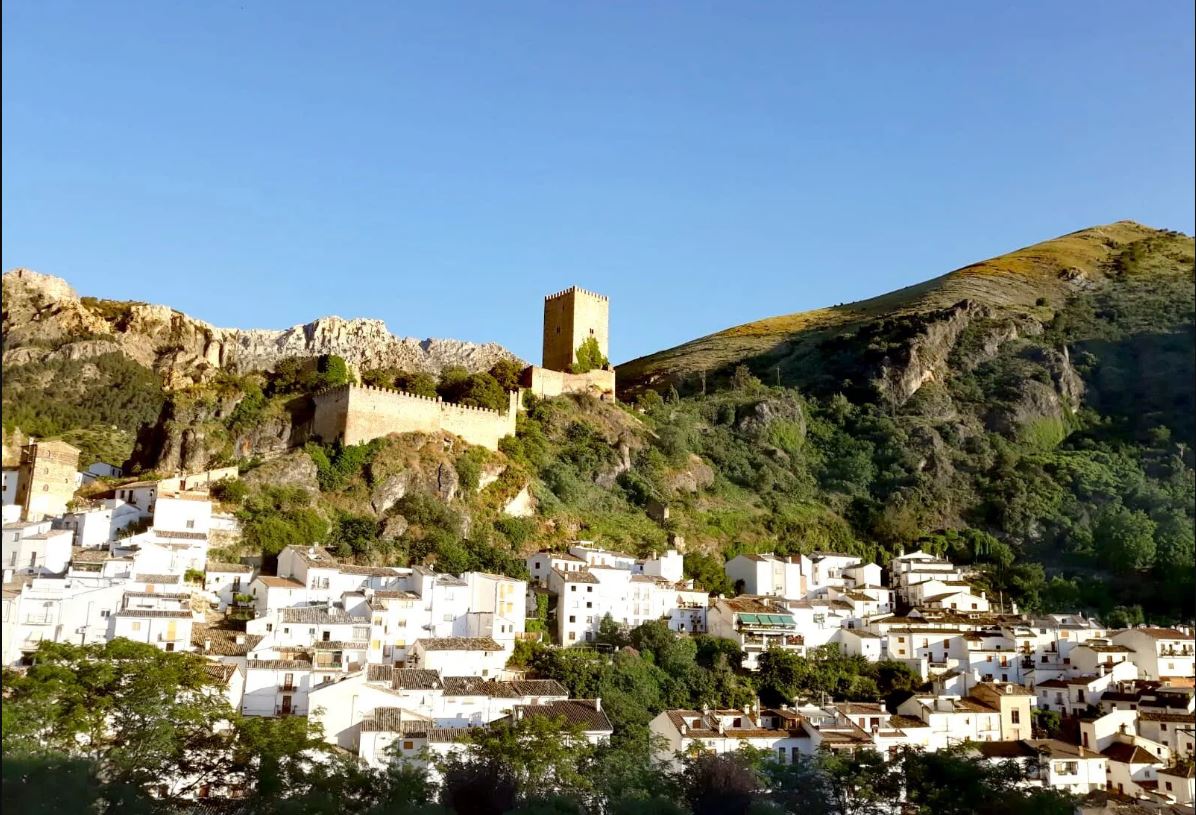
(80, 366)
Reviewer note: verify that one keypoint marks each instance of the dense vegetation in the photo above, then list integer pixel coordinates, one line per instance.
(98, 404)
(92, 729)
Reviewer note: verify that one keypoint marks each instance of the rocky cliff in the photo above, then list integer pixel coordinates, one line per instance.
(44, 319)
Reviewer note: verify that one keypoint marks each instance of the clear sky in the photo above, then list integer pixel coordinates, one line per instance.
(443, 165)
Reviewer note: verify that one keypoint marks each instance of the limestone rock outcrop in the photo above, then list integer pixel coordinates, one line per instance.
(44, 316)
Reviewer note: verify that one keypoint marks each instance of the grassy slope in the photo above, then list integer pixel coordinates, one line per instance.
(1012, 281)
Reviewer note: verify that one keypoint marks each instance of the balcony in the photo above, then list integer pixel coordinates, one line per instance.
(288, 688)
(39, 619)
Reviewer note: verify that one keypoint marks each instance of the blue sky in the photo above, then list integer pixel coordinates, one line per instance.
(442, 166)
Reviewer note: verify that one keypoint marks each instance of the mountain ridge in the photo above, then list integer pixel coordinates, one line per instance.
(41, 311)
(1013, 282)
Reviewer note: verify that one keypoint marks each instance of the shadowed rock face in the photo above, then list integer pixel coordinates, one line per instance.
(45, 317)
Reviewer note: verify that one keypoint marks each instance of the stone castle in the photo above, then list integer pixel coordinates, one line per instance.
(353, 414)
(571, 317)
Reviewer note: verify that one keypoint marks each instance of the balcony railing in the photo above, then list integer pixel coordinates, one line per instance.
(288, 688)
(39, 619)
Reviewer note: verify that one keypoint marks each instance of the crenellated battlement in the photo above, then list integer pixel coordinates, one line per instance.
(354, 414)
(577, 290)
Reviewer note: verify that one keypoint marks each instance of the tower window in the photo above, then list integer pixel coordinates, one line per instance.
(558, 329)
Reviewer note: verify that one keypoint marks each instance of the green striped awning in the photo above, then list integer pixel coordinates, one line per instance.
(767, 619)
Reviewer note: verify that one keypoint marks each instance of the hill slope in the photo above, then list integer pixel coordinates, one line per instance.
(1023, 287)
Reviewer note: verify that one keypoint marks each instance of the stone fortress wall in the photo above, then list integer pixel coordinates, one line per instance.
(353, 414)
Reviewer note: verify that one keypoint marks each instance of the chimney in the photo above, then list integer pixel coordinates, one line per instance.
(207, 646)
(598, 704)
(240, 639)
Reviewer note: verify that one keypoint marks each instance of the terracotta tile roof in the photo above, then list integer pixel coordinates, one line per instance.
(378, 673)
(279, 582)
(582, 576)
(316, 556)
(1152, 716)
(705, 724)
(339, 645)
(158, 613)
(459, 644)
(223, 640)
(749, 605)
(414, 679)
(369, 571)
(393, 720)
(1128, 754)
(1006, 688)
(81, 555)
(1162, 633)
(587, 713)
(220, 672)
(395, 595)
(166, 595)
(279, 665)
(158, 578)
(235, 568)
(1185, 770)
(560, 555)
(497, 689)
(319, 615)
(171, 534)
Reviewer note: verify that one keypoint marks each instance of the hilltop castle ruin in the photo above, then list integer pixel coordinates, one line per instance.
(353, 414)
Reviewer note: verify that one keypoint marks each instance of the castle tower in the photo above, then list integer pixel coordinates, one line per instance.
(46, 480)
(570, 318)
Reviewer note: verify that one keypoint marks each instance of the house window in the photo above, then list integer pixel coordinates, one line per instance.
(572, 636)
(408, 745)
(1162, 725)
(1080, 695)
(136, 626)
(572, 618)
(1015, 716)
(190, 524)
(781, 754)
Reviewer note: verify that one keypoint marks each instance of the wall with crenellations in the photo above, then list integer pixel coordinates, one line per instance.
(354, 414)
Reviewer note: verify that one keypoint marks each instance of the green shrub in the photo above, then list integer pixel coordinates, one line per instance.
(589, 357)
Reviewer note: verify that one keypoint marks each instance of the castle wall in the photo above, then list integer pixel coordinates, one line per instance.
(546, 384)
(331, 415)
(571, 317)
(356, 414)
